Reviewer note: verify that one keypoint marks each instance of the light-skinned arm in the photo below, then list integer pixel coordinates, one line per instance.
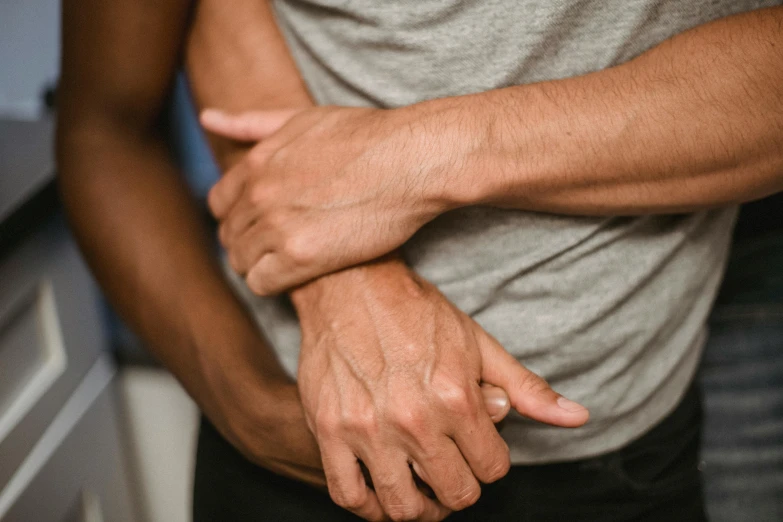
(693, 123)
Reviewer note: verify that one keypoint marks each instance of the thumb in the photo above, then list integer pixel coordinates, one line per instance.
(530, 395)
(246, 126)
(496, 401)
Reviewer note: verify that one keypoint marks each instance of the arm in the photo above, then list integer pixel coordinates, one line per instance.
(140, 232)
(142, 236)
(354, 378)
(693, 123)
(236, 59)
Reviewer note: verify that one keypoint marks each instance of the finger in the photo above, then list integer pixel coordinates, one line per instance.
(269, 276)
(246, 126)
(449, 476)
(293, 261)
(346, 483)
(530, 395)
(226, 192)
(398, 494)
(240, 218)
(495, 401)
(481, 445)
(274, 273)
(247, 249)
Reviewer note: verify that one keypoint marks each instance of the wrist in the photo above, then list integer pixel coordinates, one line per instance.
(497, 146)
(241, 384)
(461, 143)
(386, 274)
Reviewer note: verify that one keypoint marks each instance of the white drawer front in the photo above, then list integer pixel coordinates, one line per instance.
(32, 355)
(77, 472)
(50, 335)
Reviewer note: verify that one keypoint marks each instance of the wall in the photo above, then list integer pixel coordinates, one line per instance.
(29, 55)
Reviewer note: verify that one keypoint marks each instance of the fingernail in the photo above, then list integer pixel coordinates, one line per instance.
(570, 406)
(500, 402)
(494, 396)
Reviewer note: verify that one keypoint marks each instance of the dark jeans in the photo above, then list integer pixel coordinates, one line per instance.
(742, 379)
(655, 479)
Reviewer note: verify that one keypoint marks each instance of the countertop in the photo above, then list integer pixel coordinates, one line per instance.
(28, 194)
(26, 162)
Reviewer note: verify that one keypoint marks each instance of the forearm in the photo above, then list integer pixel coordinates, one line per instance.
(146, 245)
(693, 123)
(142, 234)
(237, 60)
(127, 205)
(161, 274)
(253, 70)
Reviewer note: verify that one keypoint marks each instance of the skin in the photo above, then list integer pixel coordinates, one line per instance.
(143, 238)
(206, 59)
(694, 123)
(400, 398)
(456, 345)
(142, 235)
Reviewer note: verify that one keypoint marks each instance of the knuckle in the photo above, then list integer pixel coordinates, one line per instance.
(455, 398)
(231, 228)
(258, 285)
(280, 162)
(279, 157)
(363, 423)
(464, 497)
(350, 499)
(411, 419)
(395, 497)
(404, 512)
(257, 158)
(258, 194)
(300, 250)
(497, 469)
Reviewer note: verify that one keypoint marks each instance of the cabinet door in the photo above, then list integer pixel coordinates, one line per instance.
(86, 478)
(50, 335)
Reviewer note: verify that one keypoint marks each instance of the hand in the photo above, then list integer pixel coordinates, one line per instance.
(258, 410)
(390, 375)
(326, 188)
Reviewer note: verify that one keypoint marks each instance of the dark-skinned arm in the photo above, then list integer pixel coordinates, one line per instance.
(143, 236)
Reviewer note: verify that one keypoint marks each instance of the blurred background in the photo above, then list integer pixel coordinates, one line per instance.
(91, 428)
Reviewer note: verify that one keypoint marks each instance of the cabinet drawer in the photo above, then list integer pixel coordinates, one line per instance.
(78, 470)
(50, 335)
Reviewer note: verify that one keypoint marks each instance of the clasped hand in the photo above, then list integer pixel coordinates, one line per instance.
(325, 188)
(393, 375)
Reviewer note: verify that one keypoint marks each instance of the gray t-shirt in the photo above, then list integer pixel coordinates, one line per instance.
(611, 311)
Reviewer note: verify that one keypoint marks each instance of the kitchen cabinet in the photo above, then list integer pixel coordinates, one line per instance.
(62, 453)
